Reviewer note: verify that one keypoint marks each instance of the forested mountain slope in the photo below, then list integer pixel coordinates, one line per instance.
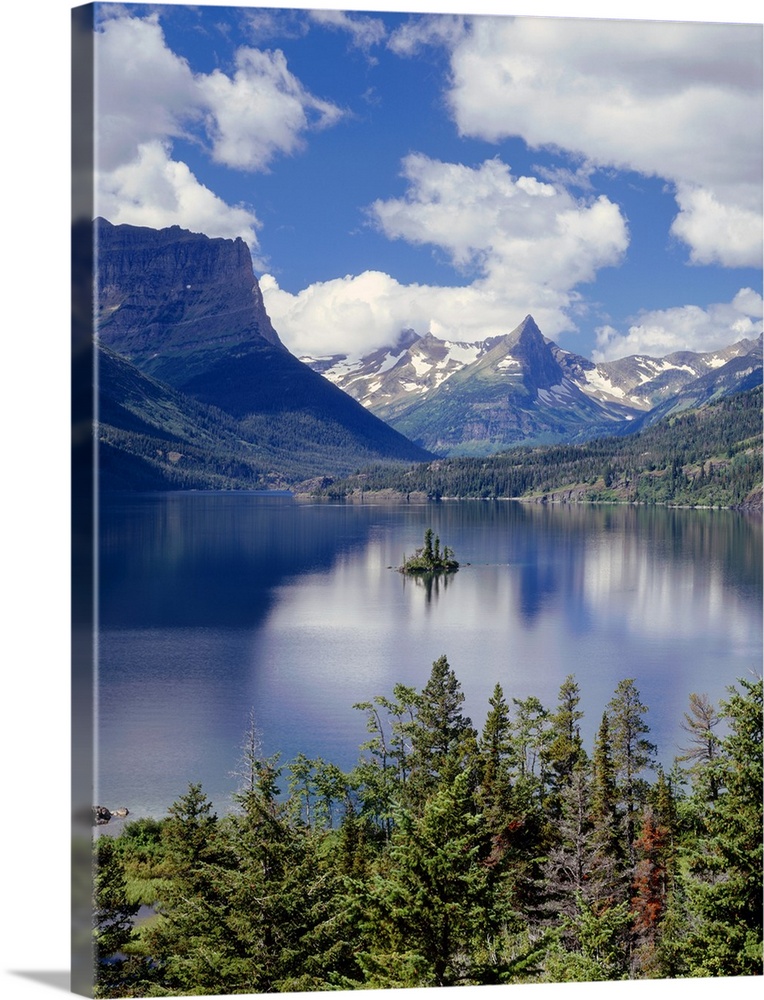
(708, 456)
(186, 313)
(152, 437)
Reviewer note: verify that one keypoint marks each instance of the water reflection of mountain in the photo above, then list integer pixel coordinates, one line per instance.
(212, 604)
(553, 546)
(193, 559)
(177, 560)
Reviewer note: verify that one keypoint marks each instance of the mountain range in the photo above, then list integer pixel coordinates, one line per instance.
(456, 398)
(196, 389)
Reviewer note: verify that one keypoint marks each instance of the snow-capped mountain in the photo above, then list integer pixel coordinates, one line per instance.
(523, 388)
(389, 379)
(644, 382)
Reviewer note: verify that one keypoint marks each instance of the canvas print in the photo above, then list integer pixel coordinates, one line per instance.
(417, 500)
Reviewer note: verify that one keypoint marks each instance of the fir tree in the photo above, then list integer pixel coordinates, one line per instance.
(725, 890)
(430, 907)
(112, 920)
(192, 941)
(606, 875)
(564, 750)
(632, 752)
(494, 748)
(441, 736)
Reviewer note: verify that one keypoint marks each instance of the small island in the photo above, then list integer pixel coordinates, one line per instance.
(429, 559)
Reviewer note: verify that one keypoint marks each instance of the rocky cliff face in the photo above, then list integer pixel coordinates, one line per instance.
(187, 311)
(170, 291)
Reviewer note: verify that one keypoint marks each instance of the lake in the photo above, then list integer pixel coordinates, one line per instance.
(214, 605)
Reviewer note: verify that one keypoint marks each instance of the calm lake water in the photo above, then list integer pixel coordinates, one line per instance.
(216, 605)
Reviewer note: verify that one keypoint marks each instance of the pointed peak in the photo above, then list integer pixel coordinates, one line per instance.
(527, 331)
(406, 338)
(528, 325)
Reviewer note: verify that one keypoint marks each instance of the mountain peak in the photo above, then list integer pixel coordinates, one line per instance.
(171, 289)
(405, 339)
(528, 328)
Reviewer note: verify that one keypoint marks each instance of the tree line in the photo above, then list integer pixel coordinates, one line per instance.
(452, 855)
(706, 457)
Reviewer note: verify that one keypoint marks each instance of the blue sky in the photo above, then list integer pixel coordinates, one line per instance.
(446, 173)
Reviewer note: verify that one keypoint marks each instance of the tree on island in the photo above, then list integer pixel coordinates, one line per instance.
(429, 559)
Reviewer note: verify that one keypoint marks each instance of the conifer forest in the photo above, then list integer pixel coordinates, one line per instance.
(452, 855)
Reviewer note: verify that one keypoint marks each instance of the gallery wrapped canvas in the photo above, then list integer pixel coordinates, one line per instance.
(417, 497)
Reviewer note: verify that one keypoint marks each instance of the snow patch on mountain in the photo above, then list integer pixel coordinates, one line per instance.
(601, 385)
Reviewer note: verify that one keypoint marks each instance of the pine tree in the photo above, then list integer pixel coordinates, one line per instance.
(382, 771)
(725, 888)
(606, 876)
(192, 942)
(494, 750)
(441, 737)
(429, 905)
(112, 919)
(571, 863)
(564, 750)
(428, 546)
(258, 792)
(632, 752)
(189, 830)
(699, 723)
(650, 892)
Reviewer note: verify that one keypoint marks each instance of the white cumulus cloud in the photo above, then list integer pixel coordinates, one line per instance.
(156, 191)
(528, 244)
(144, 91)
(717, 233)
(514, 229)
(148, 97)
(685, 328)
(262, 111)
(680, 101)
(357, 313)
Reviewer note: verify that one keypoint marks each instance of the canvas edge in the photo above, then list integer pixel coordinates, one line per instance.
(83, 500)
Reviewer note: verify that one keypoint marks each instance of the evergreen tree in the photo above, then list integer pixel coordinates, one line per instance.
(725, 889)
(606, 876)
(571, 863)
(564, 750)
(381, 774)
(650, 893)
(444, 868)
(528, 752)
(258, 792)
(428, 553)
(192, 941)
(703, 749)
(441, 737)
(599, 952)
(494, 748)
(189, 830)
(429, 905)
(632, 752)
(112, 920)
(331, 789)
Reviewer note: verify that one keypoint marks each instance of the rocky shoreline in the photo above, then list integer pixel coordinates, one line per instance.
(102, 815)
